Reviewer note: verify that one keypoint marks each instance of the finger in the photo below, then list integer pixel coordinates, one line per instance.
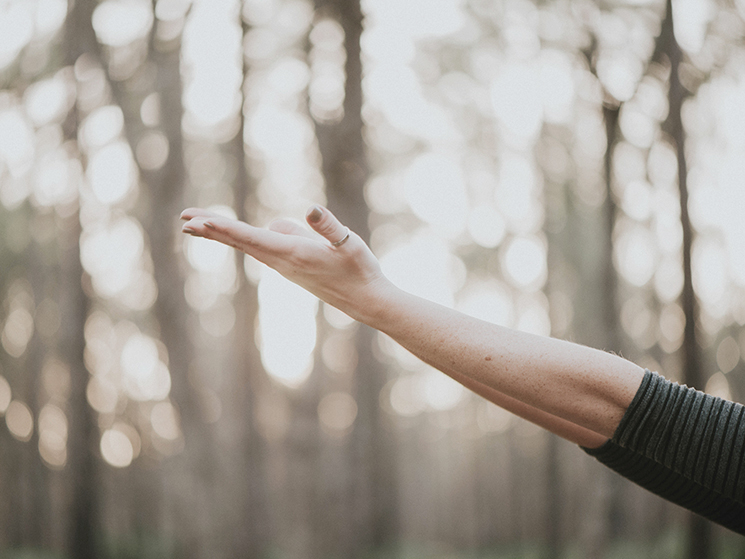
(289, 227)
(252, 240)
(191, 213)
(325, 223)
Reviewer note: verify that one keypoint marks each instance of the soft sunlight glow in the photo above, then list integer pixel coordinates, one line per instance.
(434, 186)
(728, 354)
(441, 393)
(116, 448)
(517, 102)
(152, 151)
(636, 255)
(16, 30)
(337, 318)
(620, 71)
(16, 141)
(5, 395)
(48, 100)
(169, 10)
(555, 74)
(50, 15)
(668, 278)
(339, 354)
(17, 332)
(533, 315)
(493, 419)
(486, 226)
(211, 50)
(395, 91)
(102, 394)
(406, 396)
(102, 126)
(145, 376)
(55, 378)
(718, 385)
(287, 328)
(672, 325)
(516, 195)
(525, 262)
(691, 20)
(164, 419)
(418, 18)
(710, 274)
(326, 90)
(423, 266)
(637, 200)
(53, 436)
(56, 178)
(489, 302)
(206, 255)
(111, 172)
(119, 22)
(19, 420)
(218, 320)
(337, 412)
(279, 133)
(111, 254)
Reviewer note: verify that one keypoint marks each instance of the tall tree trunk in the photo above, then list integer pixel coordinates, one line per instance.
(700, 536)
(346, 171)
(83, 436)
(614, 525)
(165, 189)
(248, 380)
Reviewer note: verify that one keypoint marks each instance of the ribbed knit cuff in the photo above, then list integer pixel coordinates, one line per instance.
(685, 446)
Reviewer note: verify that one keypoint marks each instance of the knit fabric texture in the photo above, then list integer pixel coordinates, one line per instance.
(685, 446)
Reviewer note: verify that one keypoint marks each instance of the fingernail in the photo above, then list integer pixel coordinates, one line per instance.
(188, 230)
(315, 214)
(209, 225)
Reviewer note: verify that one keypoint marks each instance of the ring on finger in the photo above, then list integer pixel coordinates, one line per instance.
(343, 240)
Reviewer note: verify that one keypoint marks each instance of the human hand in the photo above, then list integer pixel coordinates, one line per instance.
(343, 273)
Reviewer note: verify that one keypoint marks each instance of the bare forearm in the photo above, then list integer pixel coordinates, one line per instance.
(589, 388)
(584, 386)
(561, 427)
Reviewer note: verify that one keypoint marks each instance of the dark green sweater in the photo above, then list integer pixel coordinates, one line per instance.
(685, 446)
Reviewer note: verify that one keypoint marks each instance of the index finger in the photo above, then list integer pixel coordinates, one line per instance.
(190, 213)
(254, 241)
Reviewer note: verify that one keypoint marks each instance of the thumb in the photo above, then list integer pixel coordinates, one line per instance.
(325, 223)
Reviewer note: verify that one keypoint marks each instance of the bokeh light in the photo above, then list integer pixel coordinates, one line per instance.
(5, 394)
(116, 448)
(19, 420)
(287, 328)
(337, 412)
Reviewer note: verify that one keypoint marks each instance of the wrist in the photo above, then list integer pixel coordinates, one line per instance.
(375, 305)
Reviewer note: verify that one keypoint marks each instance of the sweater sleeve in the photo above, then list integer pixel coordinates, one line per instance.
(685, 446)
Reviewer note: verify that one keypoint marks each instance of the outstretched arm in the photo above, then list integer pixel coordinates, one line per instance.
(578, 392)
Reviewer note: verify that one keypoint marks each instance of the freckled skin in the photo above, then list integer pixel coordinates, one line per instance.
(576, 392)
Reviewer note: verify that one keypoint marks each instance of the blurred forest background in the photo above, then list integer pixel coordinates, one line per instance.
(571, 168)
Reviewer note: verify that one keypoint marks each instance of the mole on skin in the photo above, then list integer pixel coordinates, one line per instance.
(487, 358)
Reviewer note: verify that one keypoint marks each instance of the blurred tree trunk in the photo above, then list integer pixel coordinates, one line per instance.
(251, 533)
(164, 195)
(165, 191)
(345, 169)
(700, 535)
(82, 431)
(610, 339)
(553, 499)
